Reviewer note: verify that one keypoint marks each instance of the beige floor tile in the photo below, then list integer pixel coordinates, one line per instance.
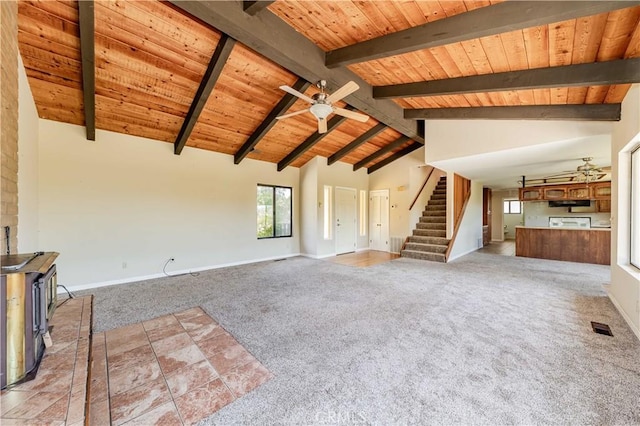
(216, 344)
(166, 415)
(188, 378)
(160, 322)
(204, 401)
(32, 407)
(180, 358)
(245, 378)
(193, 312)
(133, 376)
(171, 344)
(230, 358)
(142, 353)
(133, 403)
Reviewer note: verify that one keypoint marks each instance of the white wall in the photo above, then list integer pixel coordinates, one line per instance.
(314, 176)
(403, 185)
(447, 139)
(27, 166)
(537, 213)
(624, 290)
(116, 209)
(310, 210)
(338, 174)
(469, 236)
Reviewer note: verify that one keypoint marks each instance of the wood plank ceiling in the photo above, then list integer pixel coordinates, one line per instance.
(155, 77)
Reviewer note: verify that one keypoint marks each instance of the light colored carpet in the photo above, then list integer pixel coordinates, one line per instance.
(486, 339)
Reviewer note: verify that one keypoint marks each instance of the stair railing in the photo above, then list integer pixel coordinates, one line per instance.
(461, 196)
(422, 187)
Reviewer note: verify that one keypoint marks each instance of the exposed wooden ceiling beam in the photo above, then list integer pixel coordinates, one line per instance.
(394, 157)
(253, 7)
(316, 137)
(285, 103)
(356, 143)
(211, 75)
(481, 22)
(87, 55)
(591, 112)
(388, 148)
(274, 39)
(594, 74)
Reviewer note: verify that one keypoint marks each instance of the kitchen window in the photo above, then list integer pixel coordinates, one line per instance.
(635, 207)
(274, 211)
(512, 207)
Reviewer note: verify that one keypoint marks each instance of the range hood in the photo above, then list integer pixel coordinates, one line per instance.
(570, 203)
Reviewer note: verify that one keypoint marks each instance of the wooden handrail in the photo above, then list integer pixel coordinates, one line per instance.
(422, 188)
(459, 209)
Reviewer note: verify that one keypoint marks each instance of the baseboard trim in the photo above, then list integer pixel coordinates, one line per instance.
(172, 273)
(462, 254)
(626, 317)
(316, 256)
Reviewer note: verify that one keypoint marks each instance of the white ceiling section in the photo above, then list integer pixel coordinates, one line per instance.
(499, 153)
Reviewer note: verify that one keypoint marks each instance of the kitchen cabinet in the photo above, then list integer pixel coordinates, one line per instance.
(601, 191)
(554, 193)
(578, 192)
(603, 206)
(531, 194)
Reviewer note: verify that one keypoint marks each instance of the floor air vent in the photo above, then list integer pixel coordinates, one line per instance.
(600, 328)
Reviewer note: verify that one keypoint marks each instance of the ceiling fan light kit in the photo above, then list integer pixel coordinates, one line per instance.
(321, 111)
(321, 104)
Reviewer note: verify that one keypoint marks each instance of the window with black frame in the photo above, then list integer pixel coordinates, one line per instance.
(274, 208)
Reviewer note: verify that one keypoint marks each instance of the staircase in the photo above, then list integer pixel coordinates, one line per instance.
(429, 241)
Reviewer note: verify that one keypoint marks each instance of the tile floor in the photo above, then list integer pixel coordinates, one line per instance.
(504, 248)
(57, 394)
(175, 369)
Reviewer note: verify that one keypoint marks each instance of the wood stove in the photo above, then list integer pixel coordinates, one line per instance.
(28, 298)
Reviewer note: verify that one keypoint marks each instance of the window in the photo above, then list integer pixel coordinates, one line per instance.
(512, 207)
(635, 207)
(363, 212)
(328, 208)
(274, 211)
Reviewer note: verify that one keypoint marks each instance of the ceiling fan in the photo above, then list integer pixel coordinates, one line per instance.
(321, 104)
(587, 172)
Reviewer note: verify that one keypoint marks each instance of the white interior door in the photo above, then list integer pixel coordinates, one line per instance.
(345, 202)
(379, 220)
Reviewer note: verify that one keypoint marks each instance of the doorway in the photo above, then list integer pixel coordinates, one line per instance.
(379, 220)
(512, 217)
(345, 201)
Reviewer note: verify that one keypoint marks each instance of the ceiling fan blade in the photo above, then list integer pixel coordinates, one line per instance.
(350, 114)
(322, 126)
(294, 92)
(345, 90)
(292, 114)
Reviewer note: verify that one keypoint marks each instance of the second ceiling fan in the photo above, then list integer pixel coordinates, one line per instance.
(322, 104)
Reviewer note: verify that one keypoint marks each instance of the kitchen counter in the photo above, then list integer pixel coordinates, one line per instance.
(573, 245)
(565, 229)
(39, 264)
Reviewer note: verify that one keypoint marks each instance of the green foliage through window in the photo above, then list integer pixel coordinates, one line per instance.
(274, 211)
